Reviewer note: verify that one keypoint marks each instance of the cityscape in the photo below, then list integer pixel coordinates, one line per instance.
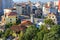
(29, 20)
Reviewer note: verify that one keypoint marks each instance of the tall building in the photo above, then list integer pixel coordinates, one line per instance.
(46, 10)
(19, 9)
(0, 6)
(5, 4)
(59, 6)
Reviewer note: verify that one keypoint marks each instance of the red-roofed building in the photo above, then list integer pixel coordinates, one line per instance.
(10, 17)
(21, 27)
(12, 14)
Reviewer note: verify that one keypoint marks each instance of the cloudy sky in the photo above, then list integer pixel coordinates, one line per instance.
(32, 0)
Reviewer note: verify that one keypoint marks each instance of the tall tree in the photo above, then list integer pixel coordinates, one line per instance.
(30, 33)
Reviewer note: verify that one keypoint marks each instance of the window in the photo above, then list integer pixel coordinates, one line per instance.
(10, 19)
(16, 17)
(52, 16)
(54, 19)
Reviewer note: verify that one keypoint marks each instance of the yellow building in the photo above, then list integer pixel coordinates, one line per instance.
(9, 18)
(52, 16)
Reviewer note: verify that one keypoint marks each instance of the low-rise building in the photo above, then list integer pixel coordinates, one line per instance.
(53, 17)
(9, 18)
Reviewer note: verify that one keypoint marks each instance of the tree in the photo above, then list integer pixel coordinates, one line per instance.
(18, 21)
(21, 35)
(7, 33)
(41, 33)
(49, 21)
(1, 33)
(30, 33)
(8, 25)
(54, 33)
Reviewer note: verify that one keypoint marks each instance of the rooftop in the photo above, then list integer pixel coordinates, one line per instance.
(12, 14)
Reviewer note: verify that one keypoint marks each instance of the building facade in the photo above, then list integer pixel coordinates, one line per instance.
(53, 17)
(5, 4)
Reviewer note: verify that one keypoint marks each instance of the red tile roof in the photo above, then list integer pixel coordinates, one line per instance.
(12, 14)
(17, 28)
(25, 22)
(21, 27)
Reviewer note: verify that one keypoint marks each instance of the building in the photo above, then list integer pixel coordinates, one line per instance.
(5, 4)
(53, 10)
(1, 7)
(59, 6)
(19, 9)
(9, 17)
(38, 13)
(46, 10)
(50, 4)
(39, 4)
(21, 27)
(55, 3)
(53, 17)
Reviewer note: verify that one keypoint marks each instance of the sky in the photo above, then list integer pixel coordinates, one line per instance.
(32, 0)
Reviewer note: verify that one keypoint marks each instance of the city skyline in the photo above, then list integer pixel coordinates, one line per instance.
(33, 0)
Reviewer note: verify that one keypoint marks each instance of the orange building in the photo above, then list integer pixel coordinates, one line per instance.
(59, 6)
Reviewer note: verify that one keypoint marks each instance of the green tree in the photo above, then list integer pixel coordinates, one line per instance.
(49, 22)
(21, 35)
(54, 33)
(41, 33)
(18, 21)
(30, 33)
(8, 25)
(7, 33)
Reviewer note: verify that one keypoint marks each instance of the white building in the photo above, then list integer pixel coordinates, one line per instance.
(45, 11)
(50, 4)
(55, 3)
(38, 5)
(19, 9)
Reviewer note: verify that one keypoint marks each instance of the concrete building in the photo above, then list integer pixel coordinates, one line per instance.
(53, 10)
(19, 9)
(46, 10)
(5, 4)
(9, 17)
(39, 4)
(1, 7)
(55, 3)
(38, 13)
(53, 17)
(50, 4)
